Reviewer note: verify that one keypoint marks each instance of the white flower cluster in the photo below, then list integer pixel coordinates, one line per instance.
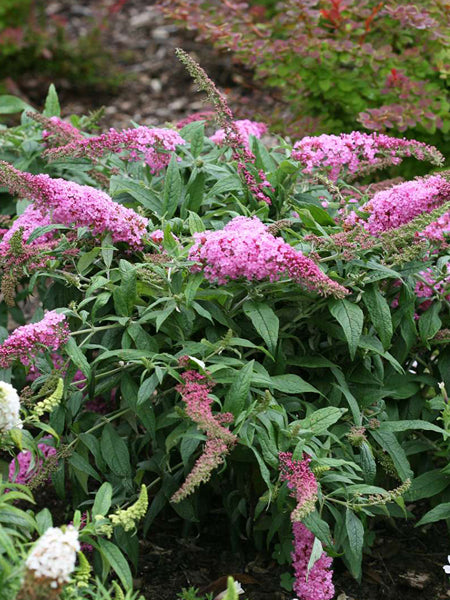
(54, 554)
(9, 408)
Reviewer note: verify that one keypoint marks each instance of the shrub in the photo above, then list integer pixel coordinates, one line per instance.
(214, 326)
(338, 65)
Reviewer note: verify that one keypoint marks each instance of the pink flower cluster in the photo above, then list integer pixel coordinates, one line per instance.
(245, 248)
(401, 203)
(429, 285)
(355, 152)
(317, 583)
(68, 203)
(27, 467)
(439, 230)
(59, 130)
(195, 392)
(154, 144)
(246, 128)
(27, 341)
(301, 481)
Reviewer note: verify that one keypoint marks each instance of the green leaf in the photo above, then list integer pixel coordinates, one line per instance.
(368, 464)
(355, 534)
(427, 485)
(146, 389)
(292, 384)
(10, 105)
(102, 502)
(389, 442)
(265, 321)
(117, 561)
(442, 511)
(237, 395)
(316, 553)
(228, 183)
(195, 223)
(172, 188)
(86, 260)
(380, 314)
(411, 424)
(115, 452)
(320, 420)
(80, 463)
(351, 319)
(77, 357)
(52, 107)
(43, 230)
(197, 139)
(137, 190)
(430, 323)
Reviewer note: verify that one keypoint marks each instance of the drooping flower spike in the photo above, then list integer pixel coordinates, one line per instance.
(68, 203)
(27, 341)
(245, 248)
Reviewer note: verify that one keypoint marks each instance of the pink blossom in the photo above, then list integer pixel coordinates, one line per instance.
(317, 583)
(246, 128)
(154, 144)
(356, 151)
(439, 230)
(27, 341)
(244, 248)
(401, 203)
(69, 203)
(27, 467)
(431, 285)
(195, 392)
(28, 221)
(301, 481)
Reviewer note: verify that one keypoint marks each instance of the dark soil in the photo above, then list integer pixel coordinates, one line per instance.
(405, 563)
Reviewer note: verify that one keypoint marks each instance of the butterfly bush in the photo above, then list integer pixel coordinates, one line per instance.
(154, 144)
(69, 203)
(356, 152)
(9, 408)
(52, 558)
(244, 248)
(315, 584)
(27, 341)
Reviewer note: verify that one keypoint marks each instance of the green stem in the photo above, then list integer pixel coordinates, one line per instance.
(93, 329)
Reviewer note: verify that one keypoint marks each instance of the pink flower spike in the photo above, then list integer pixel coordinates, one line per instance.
(246, 249)
(356, 153)
(68, 203)
(26, 342)
(27, 470)
(302, 483)
(317, 583)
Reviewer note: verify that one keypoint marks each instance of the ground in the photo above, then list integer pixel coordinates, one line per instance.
(405, 563)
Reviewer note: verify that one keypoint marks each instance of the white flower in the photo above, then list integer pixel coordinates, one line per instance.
(447, 567)
(54, 554)
(237, 587)
(9, 408)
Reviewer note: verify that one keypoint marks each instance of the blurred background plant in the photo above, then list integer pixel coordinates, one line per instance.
(33, 40)
(329, 66)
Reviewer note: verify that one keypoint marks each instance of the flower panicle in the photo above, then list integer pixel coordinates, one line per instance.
(129, 517)
(245, 248)
(195, 393)
(302, 483)
(26, 341)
